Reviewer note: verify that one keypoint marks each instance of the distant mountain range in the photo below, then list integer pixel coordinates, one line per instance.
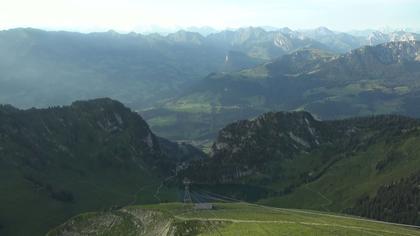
(380, 79)
(344, 42)
(186, 71)
(41, 68)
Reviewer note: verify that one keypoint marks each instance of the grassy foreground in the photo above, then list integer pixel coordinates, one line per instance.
(225, 219)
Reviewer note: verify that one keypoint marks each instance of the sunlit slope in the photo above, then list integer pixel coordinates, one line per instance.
(224, 219)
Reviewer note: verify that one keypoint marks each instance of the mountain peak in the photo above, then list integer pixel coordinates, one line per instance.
(323, 30)
(378, 37)
(285, 30)
(393, 52)
(252, 29)
(98, 102)
(183, 36)
(299, 128)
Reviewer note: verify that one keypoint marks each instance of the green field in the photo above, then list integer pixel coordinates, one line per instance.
(224, 219)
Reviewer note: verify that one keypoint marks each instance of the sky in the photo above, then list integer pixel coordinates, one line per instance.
(142, 15)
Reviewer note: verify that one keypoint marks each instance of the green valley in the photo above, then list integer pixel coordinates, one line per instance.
(370, 80)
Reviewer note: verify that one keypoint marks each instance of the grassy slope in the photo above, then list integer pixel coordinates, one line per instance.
(24, 204)
(332, 177)
(226, 219)
(353, 176)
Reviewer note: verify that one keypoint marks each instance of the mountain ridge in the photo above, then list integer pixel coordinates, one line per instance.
(128, 66)
(292, 160)
(91, 155)
(378, 79)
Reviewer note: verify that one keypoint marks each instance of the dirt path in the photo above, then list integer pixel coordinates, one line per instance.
(293, 222)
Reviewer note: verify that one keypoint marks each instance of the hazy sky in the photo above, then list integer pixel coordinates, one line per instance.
(140, 15)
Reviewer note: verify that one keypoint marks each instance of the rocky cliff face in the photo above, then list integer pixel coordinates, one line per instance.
(395, 52)
(130, 221)
(295, 131)
(377, 37)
